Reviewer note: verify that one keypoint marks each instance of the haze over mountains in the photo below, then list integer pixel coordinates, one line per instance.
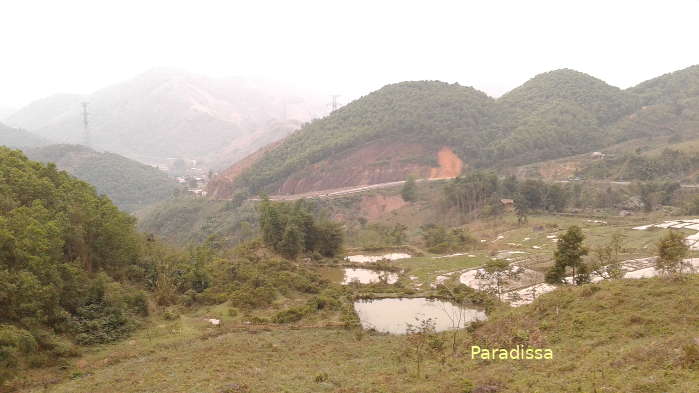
(424, 127)
(18, 138)
(166, 113)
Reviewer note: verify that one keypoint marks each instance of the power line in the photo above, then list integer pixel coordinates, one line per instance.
(86, 130)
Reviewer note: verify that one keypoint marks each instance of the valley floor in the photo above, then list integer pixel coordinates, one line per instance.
(622, 336)
(616, 336)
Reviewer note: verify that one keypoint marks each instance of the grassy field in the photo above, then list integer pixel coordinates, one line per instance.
(624, 336)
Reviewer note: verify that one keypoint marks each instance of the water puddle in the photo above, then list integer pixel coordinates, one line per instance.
(393, 315)
(346, 276)
(376, 258)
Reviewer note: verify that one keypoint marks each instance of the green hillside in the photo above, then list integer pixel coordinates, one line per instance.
(427, 111)
(625, 336)
(17, 138)
(557, 114)
(128, 183)
(553, 115)
(61, 249)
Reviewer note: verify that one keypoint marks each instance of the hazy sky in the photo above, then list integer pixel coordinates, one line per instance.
(345, 47)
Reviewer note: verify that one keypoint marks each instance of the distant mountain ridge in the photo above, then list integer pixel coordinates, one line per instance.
(18, 138)
(167, 113)
(401, 128)
(129, 184)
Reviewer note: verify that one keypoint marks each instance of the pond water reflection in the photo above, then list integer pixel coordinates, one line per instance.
(345, 276)
(393, 315)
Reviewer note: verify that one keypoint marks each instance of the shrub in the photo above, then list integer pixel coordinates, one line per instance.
(100, 323)
(13, 342)
(291, 315)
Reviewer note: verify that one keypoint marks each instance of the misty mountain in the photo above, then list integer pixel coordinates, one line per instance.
(6, 111)
(17, 138)
(167, 113)
(128, 183)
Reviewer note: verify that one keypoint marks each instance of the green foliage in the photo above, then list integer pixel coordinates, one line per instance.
(409, 190)
(129, 184)
(290, 315)
(378, 235)
(668, 165)
(193, 220)
(439, 239)
(291, 229)
(428, 112)
(13, 343)
(568, 254)
(555, 114)
(672, 250)
(61, 249)
(472, 193)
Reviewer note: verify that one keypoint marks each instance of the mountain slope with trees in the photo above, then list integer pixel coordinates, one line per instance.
(128, 183)
(556, 114)
(417, 114)
(62, 248)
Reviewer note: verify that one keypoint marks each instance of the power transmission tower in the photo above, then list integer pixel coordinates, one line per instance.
(86, 125)
(335, 101)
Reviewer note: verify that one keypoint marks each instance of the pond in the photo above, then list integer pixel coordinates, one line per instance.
(393, 315)
(346, 276)
(376, 258)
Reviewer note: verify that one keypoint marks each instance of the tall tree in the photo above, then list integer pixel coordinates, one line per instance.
(569, 253)
(409, 191)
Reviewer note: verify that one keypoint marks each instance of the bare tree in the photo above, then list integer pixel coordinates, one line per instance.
(497, 273)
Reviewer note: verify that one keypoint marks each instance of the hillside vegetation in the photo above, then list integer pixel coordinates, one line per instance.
(128, 183)
(61, 249)
(556, 114)
(624, 336)
(430, 112)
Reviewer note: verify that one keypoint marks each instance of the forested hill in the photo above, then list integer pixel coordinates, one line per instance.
(56, 234)
(17, 138)
(669, 105)
(555, 114)
(434, 113)
(128, 183)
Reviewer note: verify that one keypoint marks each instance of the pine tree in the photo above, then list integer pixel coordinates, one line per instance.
(291, 244)
(569, 253)
(409, 191)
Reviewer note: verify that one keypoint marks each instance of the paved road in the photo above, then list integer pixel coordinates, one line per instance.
(340, 192)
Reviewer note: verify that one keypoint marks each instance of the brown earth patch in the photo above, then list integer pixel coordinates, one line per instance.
(373, 207)
(450, 165)
(374, 163)
(220, 186)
